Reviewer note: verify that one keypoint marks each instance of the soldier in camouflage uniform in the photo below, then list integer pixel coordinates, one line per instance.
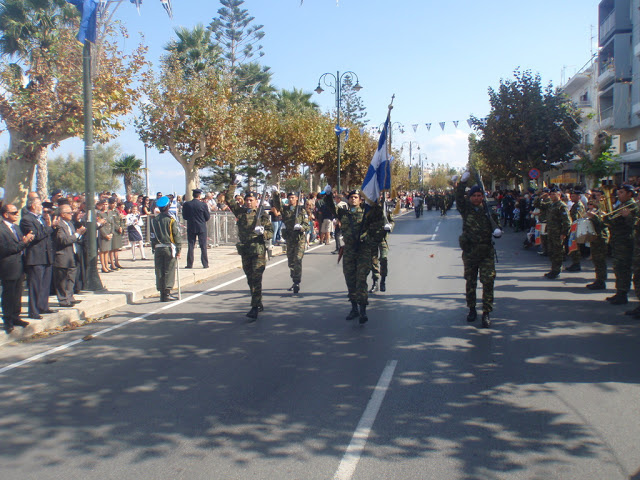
(600, 245)
(380, 225)
(542, 203)
(296, 226)
(478, 254)
(558, 225)
(621, 228)
(165, 245)
(253, 233)
(576, 211)
(356, 262)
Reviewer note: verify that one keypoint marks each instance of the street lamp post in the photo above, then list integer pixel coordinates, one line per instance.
(335, 82)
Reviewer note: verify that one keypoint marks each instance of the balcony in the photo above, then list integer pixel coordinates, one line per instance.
(607, 27)
(606, 118)
(607, 74)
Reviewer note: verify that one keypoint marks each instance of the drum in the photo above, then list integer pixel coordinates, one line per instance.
(542, 227)
(585, 231)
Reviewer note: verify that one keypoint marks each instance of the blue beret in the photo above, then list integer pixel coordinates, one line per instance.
(162, 202)
(554, 190)
(627, 187)
(474, 189)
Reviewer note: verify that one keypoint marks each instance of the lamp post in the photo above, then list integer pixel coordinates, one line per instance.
(336, 82)
(411, 157)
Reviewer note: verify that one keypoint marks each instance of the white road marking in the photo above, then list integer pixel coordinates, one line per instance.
(131, 320)
(358, 441)
(433, 237)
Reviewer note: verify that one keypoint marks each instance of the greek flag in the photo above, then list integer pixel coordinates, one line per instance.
(378, 176)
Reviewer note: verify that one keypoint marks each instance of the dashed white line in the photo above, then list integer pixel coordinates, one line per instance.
(351, 457)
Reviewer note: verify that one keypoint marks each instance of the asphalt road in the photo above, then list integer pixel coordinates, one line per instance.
(192, 390)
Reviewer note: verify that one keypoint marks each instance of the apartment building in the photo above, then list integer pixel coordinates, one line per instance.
(618, 80)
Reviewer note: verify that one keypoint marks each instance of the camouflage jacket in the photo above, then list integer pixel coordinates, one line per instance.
(476, 226)
(378, 218)
(289, 218)
(577, 211)
(543, 205)
(558, 219)
(353, 222)
(621, 228)
(246, 222)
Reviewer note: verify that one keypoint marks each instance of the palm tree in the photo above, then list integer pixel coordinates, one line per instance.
(288, 100)
(129, 167)
(194, 49)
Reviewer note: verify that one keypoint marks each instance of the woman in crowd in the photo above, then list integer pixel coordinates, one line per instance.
(134, 222)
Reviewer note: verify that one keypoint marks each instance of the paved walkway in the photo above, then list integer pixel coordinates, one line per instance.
(131, 284)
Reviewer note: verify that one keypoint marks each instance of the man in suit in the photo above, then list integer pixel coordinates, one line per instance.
(12, 245)
(196, 213)
(65, 262)
(38, 257)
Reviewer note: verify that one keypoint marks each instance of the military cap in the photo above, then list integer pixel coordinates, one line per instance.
(554, 189)
(546, 190)
(354, 192)
(292, 194)
(57, 191)
(474, 189)
(250, 194)
(162, 202)
(111, 200)
(628, 188)
(577, 191)
(196, 191)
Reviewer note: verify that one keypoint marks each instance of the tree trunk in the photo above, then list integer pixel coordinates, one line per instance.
(21, 165)
(191, 180)
(316, 181)
(42, 177)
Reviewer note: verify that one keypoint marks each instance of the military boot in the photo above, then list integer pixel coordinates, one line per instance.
(383, 285)
(575, 267)
(486, 320)
(169, 297)
(253, 313)
(619, 298)
(473, 315)
(354, 311)
(374, 285)
(363, 314)
(163, 296)
(296, 287)
(597, 285)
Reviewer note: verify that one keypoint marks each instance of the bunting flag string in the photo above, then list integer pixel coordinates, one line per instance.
(415, 127)
(442, 125)
(455, 123)
(428, 127)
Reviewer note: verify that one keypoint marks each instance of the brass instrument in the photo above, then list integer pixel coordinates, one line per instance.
(614, 213)
(609, 198)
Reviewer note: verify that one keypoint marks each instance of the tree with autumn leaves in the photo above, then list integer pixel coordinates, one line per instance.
(41, 86)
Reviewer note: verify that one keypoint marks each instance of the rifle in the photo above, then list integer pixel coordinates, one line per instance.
(261, 206)
(487, 211)
(295, 219)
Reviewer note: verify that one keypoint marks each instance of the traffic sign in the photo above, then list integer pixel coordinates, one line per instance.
(534, 174)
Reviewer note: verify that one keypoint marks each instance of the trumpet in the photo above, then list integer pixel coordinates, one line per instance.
(614, 213)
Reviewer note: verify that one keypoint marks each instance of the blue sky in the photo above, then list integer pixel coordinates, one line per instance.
(438, 58)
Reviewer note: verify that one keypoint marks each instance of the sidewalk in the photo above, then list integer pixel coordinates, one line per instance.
(133, 283)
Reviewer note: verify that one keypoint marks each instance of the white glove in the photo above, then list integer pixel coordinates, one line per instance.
(236, 180)
(283, 226)
(275, 189)
(327, 189)
(465, 177)
(259, 230)
(297, 226)
(387, 227)
(497, 233)
(454, 179)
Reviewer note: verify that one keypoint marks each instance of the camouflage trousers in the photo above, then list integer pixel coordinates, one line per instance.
(356, 264)
(622, 253)
(295, 252)
(379, 263)
(555, 246)
(165, 265)
(599, 258)
(480, 261)
(253, 265)
(635, 268)
(575, 256)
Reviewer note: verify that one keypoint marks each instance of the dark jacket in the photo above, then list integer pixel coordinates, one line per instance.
(11, 266)
(65, 256)
(40, 251)
(196, 213)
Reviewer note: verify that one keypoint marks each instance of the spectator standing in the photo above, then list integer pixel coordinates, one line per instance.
(66, 261)
(196, 213)
(134, 222)
(38, 258)
(12, 246)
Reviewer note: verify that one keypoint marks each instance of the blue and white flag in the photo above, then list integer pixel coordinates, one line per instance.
(378, 176)
(89, 22)
(340, 131)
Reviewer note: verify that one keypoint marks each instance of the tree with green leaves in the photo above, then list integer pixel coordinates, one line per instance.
(194, 49)
(529, 126)
(253, 81)
(41, 102)
(351, 105)
(597, 161)
(67, 172)
(294, 100)
(129, 167)
(237, 34)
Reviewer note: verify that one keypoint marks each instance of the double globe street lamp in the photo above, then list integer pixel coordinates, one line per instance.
(336, 82)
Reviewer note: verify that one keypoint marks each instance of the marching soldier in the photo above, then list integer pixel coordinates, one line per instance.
(254, 230)
(558, 225)
(296, 223)
(599, 246)
(621, 228)
(478, 253)
(357, 252)
(380, 225)
(542, 203)
(165, 245)
(577, 211)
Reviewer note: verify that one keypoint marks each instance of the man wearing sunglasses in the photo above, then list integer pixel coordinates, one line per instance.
(12, 245)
